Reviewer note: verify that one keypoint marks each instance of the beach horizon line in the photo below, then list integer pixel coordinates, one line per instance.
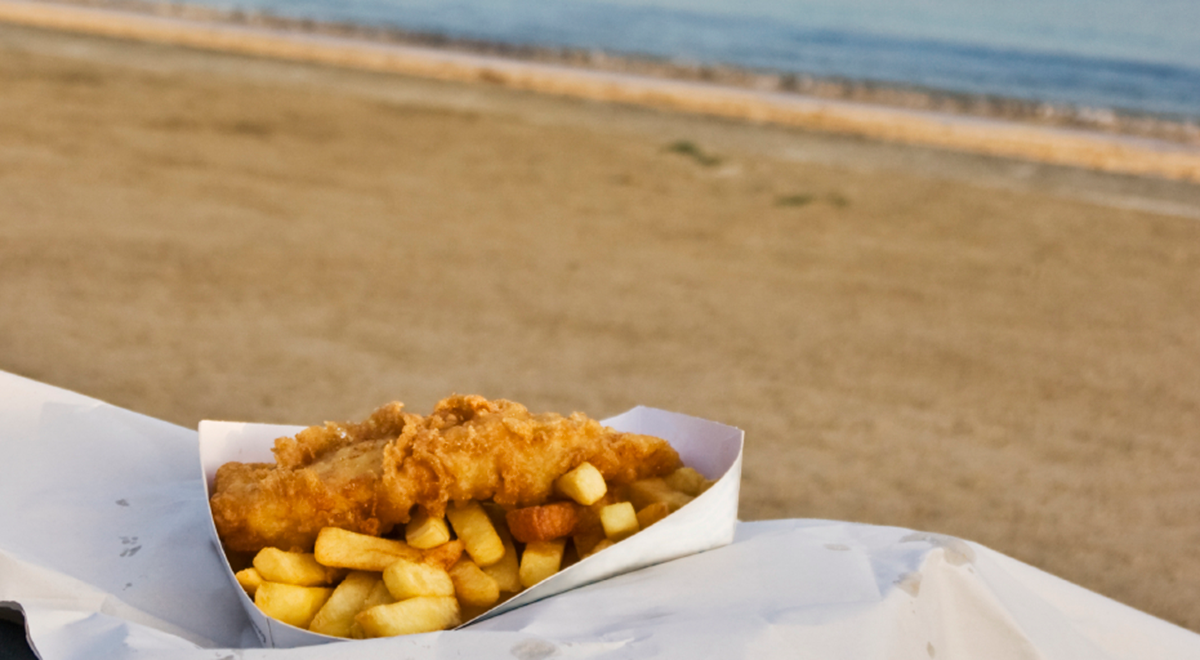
(1008, 138)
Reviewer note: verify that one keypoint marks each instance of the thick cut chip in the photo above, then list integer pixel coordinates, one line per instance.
(406, 579)
(601, 545)
(249, 578)
(584, 484)
(589, 532)
(476, 531)
(541, 560)
(645, 492)
(619, 520)
(444, 555)
(652, 514)
(290, 603)
(585, 544)
(543, 523)
(336, 617)
(571, 556)
(299, 568)
(341, 548)
(473, 587)
(425, 531)
(406, 617)
(379, 596)
(687, 481)
(506, 572)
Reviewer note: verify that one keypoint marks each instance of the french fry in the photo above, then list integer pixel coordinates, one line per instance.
(584, 484)
(406, 617)
(585, 543)
(601, 545)
(505, 572)
(336, 616)
(645, 492)
(239, 560)
(379, 596)
(444, 555)
(467, 612)
(619, 520)
(652, 514)
(298, 568)
(472, 586)
(249, 578)
(424, 532)
(387, 572)
(541, 560)
(345, 549)
(571, 556)
(589, 531)
(687, 481)
(289, 603)
(476, 531)
(617, 493)
(408, 579)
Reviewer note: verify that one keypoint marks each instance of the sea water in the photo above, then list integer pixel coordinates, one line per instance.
(1139, 56)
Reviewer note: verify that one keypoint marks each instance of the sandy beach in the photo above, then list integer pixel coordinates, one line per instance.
(1000, 350)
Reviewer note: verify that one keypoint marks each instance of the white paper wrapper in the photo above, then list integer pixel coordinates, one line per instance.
(84, 483)
(709, 521)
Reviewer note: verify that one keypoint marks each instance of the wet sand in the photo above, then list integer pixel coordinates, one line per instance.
(999, 350)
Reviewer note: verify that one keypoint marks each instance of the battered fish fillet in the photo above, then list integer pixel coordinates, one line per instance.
(370, 477)
(326, 476)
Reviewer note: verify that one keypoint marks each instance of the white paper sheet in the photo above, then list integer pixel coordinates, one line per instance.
(84, 484)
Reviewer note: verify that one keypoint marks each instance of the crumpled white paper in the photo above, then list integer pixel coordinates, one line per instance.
(104, 546)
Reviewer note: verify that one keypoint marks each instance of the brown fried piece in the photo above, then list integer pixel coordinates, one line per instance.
(543, 523)
(444, 555)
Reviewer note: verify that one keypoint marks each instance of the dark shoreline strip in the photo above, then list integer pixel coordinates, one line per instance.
(753, 100)
(911, 97)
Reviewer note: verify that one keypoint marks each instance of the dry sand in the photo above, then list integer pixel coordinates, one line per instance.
(998, 350)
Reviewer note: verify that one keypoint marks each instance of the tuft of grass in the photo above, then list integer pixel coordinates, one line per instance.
(804, 199)
(794, 200)
(251, 128)
(689, 149)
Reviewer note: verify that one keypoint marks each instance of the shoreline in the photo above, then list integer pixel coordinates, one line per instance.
(1184, 130)
(323, 44)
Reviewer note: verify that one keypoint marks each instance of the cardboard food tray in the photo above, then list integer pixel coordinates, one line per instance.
(709, 521)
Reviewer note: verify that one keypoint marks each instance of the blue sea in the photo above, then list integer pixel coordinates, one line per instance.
(1133, 56)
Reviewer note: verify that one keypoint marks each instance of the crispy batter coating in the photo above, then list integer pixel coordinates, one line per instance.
(369, 477)
(326, 476)
(476, 449)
